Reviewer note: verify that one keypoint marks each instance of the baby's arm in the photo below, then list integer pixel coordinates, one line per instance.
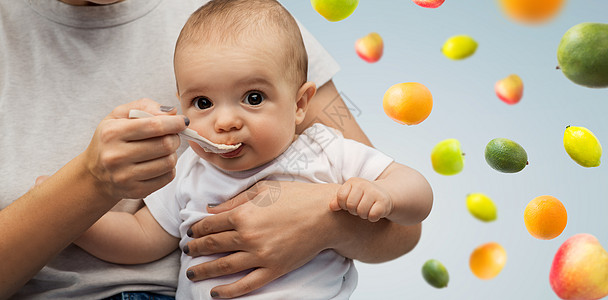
(400, 194)
(123, 238)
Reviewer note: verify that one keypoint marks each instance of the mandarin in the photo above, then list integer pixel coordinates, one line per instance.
(545, 217)
(487, 260)
(531, 11)
(408, 103)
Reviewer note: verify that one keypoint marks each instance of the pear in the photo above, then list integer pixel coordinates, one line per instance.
(583, 54)
(580, 269)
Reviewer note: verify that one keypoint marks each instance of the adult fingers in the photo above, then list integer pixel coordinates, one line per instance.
(242, 198)
(142, 188)
(140, 129)
(145, 150)
(211, 224)
(251, 282)
(153, 168)
(221, 242)
(230, 264)
(144, 104)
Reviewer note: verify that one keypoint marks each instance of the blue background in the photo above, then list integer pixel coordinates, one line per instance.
(466, 108)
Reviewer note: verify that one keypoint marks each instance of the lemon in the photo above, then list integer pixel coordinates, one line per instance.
(447, 158)
(506, 156)
(459, 47)
(481, 207)
(582, 146)
(435, 273)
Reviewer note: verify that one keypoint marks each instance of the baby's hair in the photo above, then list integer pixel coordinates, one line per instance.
(228, 21)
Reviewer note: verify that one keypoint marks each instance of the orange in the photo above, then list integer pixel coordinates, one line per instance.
(531, 11)
(408, 103)
(487, 260)
(545, 217)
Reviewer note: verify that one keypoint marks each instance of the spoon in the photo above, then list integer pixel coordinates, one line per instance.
(191, 135)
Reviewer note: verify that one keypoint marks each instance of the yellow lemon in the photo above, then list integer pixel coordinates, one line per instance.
(582, 146)
(459, 47)
(481, 207)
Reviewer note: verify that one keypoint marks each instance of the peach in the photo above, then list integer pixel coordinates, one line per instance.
(580, 269)
(509, 89)
(370, 47)
(429, 3)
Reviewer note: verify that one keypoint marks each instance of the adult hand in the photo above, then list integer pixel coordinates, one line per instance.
(130, 158)
(125, 159)
(274, 226)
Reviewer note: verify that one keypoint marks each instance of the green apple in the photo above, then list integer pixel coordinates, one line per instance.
(447, 157)
(335, 10)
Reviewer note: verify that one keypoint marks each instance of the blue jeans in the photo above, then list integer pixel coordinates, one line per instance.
(139, 296)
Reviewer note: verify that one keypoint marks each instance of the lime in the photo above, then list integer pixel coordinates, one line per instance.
(481, 207)
(447, 158)
(582, 54)
(506, 156)
(459, 47)
(435, 273)
(582, 146)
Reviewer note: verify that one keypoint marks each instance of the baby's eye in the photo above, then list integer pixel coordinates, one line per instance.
(202, 103)
(254, 98)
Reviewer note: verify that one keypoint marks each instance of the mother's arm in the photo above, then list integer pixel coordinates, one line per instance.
(125, 159)
(281, 237)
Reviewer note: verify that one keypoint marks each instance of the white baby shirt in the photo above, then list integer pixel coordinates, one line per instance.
(319, 155)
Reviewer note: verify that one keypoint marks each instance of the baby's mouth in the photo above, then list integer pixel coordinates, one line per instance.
(232, 153)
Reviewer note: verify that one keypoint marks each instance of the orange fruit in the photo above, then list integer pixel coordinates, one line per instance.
(531, 11)
(545, 217)
(408, 103)
(487, 260)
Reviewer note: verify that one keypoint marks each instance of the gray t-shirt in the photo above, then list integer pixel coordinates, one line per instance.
(64, 68)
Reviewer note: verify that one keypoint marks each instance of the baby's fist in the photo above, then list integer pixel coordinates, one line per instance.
(363, 198)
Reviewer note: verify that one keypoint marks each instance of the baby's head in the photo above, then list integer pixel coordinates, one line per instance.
(241, 70)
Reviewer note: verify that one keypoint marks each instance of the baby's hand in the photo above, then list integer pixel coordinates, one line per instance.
(363, 198)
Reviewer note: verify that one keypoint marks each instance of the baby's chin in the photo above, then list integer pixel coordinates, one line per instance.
(234, 166)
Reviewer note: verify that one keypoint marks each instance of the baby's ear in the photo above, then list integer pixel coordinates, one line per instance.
(305, 93)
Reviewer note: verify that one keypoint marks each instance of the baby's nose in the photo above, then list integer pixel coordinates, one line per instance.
(227, 120)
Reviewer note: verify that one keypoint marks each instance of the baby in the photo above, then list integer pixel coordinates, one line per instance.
(241, 69)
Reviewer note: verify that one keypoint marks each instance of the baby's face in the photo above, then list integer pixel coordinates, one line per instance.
(237, 95)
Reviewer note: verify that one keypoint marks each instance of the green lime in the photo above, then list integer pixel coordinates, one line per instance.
(582, 54)
(582, 146)
(481, 207)
(506, 156)
(435, 273)
(447, 157)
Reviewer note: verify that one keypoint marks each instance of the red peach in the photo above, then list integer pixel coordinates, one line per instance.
(370, 47)
(429, 3)
(580, 269)
(509, 89)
